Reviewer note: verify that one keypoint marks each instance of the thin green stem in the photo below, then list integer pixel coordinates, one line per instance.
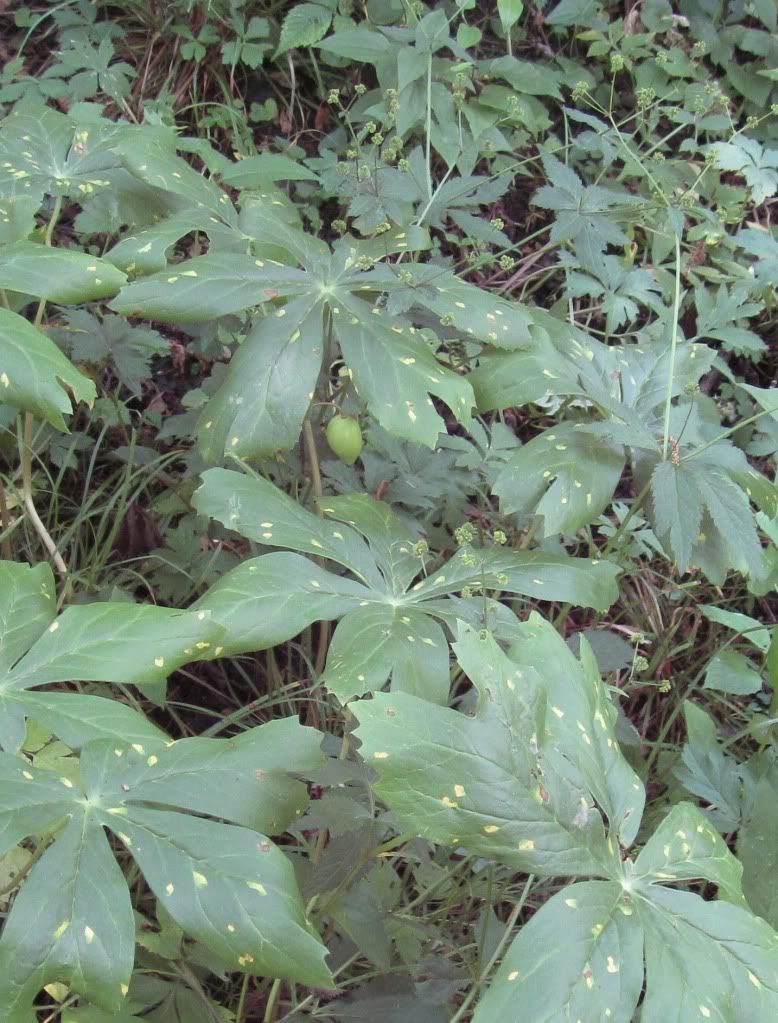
(476, 988)
(673, 346)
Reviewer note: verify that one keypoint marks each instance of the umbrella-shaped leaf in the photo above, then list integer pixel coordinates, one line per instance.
(224, 884)
(126, 643)
(42, 150)
(582, 722)
(484, 782)
(583, 581)
(71, 922)
(255, 508)
(686, 847)
(209, 286)
(706, 960)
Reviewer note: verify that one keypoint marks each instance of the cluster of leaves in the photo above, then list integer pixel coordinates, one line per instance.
(534, 437)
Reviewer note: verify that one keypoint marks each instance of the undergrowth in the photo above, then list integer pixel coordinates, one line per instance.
(389, 532)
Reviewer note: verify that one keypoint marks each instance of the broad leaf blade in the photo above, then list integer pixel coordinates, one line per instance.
(260, 407)
(580, 957)
(72, 922)
(242, 780)
(685, 847)
(395, 372)
(372, 644)
(35, 373)
(268, 600)
(391, 542)
(475, 782)
(581, 581)
(729, 965)
(228, 887)
(566, 476)
(207, 287)
(128, 643)
(582, 723)
(260, 511)
(27, 607)
(58, 275)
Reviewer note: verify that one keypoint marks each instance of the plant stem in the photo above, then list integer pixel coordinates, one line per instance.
(673, 345)
(26, 452)
(313, 464)
(242, 1000)
(5, 525)
(474, 990)
(29, 504)
(270, 1010)
(428, 130)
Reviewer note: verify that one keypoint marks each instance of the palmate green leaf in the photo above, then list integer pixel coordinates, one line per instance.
(123, 643)
(27, 607)
(707, 772)
(150, 155)
(391, 541)
(564, 475)
(729, 671)
(264, 169)
(128, 643)
(587, 582)
(56, 274)
(686, 847)
(703, 516)
(578, 958)
(224, 884)
(260, 511)
(484, 782)
(757, 850)
(270, 599)
(146, 251)
(34, 374)
(17, 217)
(260, 407)
(472, 310)
(395, 370)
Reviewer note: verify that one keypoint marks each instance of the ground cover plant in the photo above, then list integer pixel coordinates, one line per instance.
(388, 519)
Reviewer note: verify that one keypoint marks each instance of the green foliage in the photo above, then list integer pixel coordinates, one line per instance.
(374, 379)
